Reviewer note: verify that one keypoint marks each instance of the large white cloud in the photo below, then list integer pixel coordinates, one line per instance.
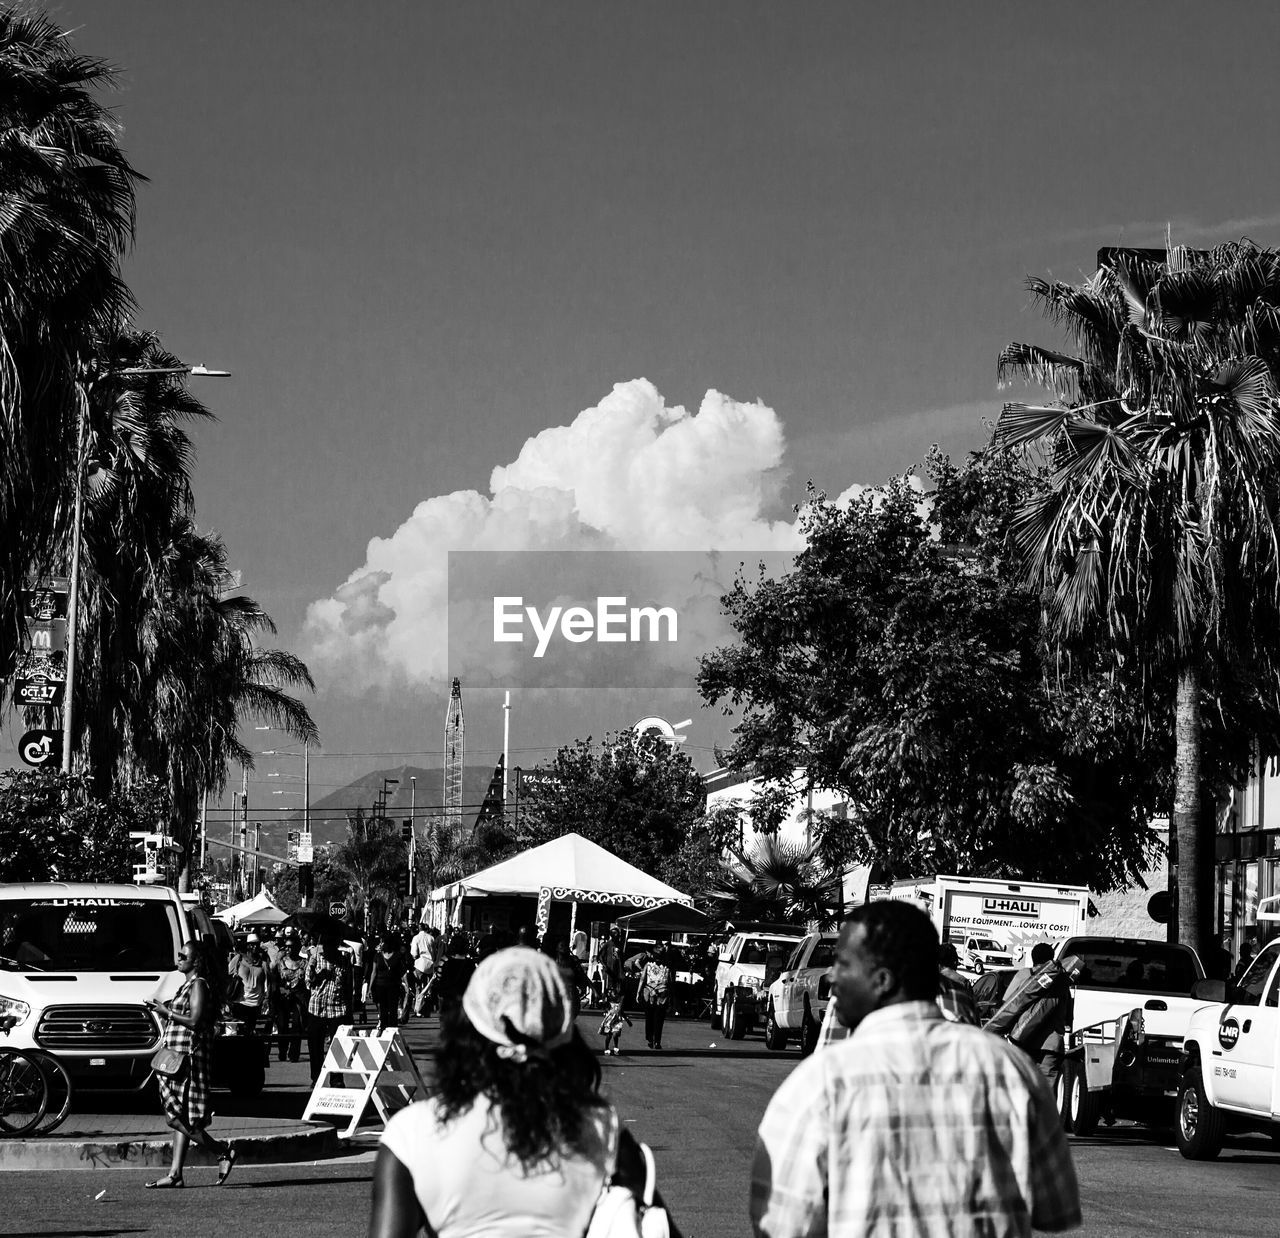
(629, 474)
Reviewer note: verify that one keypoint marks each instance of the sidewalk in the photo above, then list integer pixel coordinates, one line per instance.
(124, 1132)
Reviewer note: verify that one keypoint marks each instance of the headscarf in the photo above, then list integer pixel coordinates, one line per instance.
(517, 998)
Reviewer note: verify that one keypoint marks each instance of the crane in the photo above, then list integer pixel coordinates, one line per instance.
(454, 750)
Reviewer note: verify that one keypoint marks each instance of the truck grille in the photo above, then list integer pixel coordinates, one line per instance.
(84, 1029)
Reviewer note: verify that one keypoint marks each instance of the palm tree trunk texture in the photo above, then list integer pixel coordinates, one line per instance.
(1192, 828)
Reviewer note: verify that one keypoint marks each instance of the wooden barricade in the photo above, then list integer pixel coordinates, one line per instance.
(386, 1074)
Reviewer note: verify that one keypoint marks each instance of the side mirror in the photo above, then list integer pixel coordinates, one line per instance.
(725, 957)
(824, 987)
(1209, 990)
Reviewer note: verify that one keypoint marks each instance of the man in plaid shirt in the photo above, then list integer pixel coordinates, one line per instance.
(913, 1126)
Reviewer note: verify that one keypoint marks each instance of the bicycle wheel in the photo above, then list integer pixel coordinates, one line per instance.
(59, 1085)
(24, 1092)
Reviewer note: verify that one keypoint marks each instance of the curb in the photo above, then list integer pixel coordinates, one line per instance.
(302, 1143)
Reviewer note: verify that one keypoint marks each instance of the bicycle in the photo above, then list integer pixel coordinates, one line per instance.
(24, 1091)
(59, 1085)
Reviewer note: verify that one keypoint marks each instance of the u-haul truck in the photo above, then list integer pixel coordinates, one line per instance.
(1013, 915)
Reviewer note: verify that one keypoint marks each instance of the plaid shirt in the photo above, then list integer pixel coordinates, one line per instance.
(955, 998)
(330, 985)
(916, 1127)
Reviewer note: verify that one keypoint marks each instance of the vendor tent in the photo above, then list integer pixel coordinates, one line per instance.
(671, 918)
(258, 910)
(567, 869)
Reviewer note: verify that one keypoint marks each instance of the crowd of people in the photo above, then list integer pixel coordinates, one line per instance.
(923, 1122)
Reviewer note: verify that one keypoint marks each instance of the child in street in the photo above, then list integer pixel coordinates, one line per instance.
(611, 1024)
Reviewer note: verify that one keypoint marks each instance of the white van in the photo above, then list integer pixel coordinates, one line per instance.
(77, 961)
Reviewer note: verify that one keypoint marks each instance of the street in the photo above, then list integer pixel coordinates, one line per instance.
(698, 1108)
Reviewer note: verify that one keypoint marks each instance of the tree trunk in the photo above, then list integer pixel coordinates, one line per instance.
(1195, 841)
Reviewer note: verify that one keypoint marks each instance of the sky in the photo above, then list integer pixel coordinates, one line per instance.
(515, 276)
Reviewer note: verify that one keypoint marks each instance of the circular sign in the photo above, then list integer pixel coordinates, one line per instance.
(39, 748)
(1228, 1033)
(1160, 906)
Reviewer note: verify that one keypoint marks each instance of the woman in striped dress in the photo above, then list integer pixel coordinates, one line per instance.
(189, 1029)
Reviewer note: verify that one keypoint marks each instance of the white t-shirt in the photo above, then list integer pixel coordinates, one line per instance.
(424, 952)
(470, 1187)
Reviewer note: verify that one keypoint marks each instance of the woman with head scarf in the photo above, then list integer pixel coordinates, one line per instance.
(516, 1138)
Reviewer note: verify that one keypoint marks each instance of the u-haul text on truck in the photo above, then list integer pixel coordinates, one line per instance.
(1015, 913)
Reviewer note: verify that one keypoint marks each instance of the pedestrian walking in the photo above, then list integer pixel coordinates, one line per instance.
(328, 977)
(454, 975)
(384, 980)
(291, 999)
(515, 1138)
(254, 999)
(1038, 1010)
(914, 1126)
(184, 1096)
(656, 970)
(955, 993)
(424, 949)
(611, 1027)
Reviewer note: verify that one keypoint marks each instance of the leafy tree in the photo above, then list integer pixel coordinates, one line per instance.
(1158, 525)
(51, 829)
(695, 867)
(900, 664)
(636, 796)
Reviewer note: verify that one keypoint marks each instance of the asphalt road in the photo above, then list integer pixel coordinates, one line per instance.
(698, 1108)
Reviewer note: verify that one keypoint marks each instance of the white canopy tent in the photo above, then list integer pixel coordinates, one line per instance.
(567, 869)
(260, 909)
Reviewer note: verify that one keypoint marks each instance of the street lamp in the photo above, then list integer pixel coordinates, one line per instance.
(77, 520)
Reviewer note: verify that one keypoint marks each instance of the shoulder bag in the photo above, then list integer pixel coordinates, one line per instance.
(621, 1212)
(170, 1063)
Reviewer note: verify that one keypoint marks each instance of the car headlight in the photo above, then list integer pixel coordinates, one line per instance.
(13, 1010)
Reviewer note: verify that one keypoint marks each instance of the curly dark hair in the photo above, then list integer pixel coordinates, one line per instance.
(545, 1104)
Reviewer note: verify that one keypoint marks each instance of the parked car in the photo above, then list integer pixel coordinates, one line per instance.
(749, 962)
(798, 998)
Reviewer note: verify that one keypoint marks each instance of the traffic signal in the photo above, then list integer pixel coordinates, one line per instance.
(406, 829)
(306, 882)
(402, 885)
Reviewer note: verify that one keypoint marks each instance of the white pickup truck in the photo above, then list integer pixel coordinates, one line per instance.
(980, 952)
(741, 976)
(1230, 1065)
(798, 998)
(1133, 1002)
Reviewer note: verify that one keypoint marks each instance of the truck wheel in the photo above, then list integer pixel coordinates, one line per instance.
(1201, 1127)
(1084, 1108)
(1062, 1096)
(730, 1019)
(809, 1030)
(774, 1036)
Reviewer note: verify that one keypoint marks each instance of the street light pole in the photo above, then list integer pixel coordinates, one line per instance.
(77, 529)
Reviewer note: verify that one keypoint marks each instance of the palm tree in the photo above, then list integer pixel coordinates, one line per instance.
(202, 673)
(138, 501)
(776, 880)
(68, 209)
(1158, 523)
